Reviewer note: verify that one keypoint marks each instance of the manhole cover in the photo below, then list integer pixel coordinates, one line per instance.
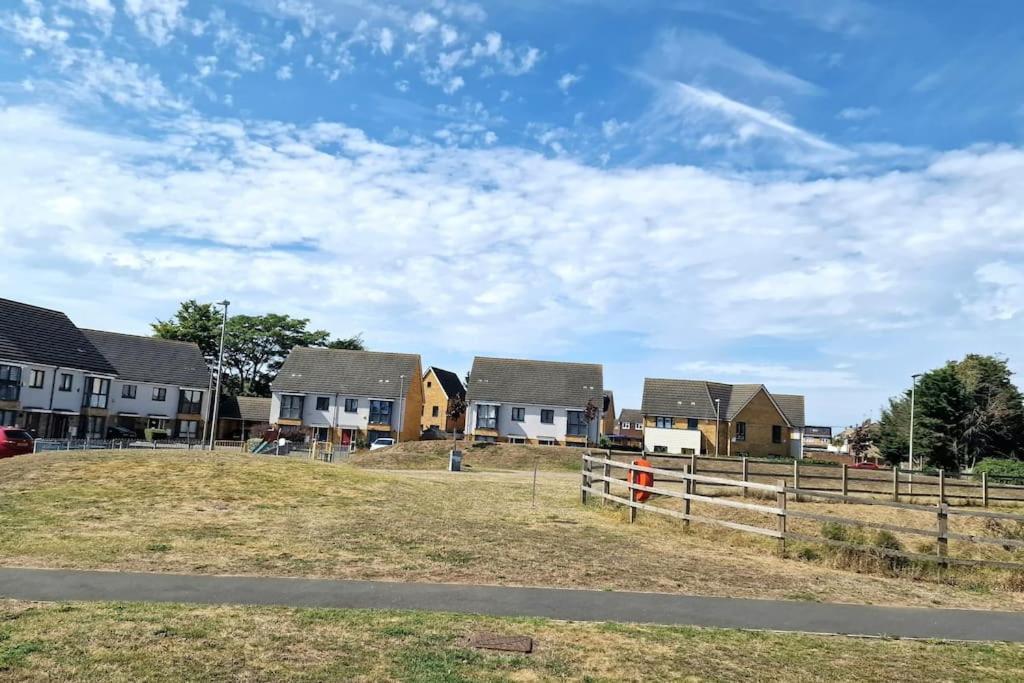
(496, 641)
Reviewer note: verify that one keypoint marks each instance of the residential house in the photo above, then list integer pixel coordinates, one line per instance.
(629, 429)
(242, 417)
(53, 381)
(440, 388)
(817, 438)
(347, 397)
(608, 414)
(532, 401)
(160, 383)
(693, 416)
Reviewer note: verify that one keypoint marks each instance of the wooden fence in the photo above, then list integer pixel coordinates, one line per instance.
(685, 491)
(896, 484)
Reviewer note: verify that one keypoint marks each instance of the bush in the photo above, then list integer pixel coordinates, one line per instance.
(833, 531)
(157, 434)
(1000, 468)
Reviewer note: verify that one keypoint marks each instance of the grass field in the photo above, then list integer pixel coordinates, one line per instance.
(433, 455)
(238, 514)
(133, 642)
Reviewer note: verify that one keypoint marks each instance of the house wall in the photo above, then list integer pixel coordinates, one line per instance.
(760, 414)
(336, 417)
(608, 423)
(35, 407)
(413, 404)
(672, 440)
(531, 428)
(433, 396)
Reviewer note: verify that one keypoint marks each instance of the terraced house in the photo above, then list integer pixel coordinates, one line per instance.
(53, 381)
(348, 396)
(440, 388)
(695, 416)
(533, 401)
(160, 384)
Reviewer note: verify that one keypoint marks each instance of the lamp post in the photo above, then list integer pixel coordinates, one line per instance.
(220, 370)
(401, 408)
(913, 390)
(718, 419)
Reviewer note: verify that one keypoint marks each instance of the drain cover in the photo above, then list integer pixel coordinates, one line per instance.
(496, 641)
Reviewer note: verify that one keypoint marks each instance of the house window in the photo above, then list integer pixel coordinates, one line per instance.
(575, 424)
(686, 451)
(37, 379)
(661, 449)
(8, 418)
(487, 417)
(188, 429)
(351, 405)
(741, 431)
(691, 424)
(66, 381)
(159, 394)
(129, 390)
(10, 382)
(291, 407)
(435, 411)
(546, 441)
(95, 424)
(517, 439)
(663, 422)
(323, 402)
(429, 384)
(547, 417)
(190, 402)
(380, 412)
(626, 425)
(97, 391)
(776, 434)
(519, 414)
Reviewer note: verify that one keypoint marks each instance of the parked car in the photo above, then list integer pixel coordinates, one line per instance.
(382, 442)
(119, 433)
(14, 442)
(865, 466)
(432, 434)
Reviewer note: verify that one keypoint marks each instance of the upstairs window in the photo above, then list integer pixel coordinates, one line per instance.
(380, 412)
(776, 434)
(435, 411)
(37, 379)
(351, 405)
(291, 407)
(691, 424)
(129, 391)
(663, 422)
(323, 402)
(190, 402)
(575, 424)
(97, 391)
(519, 414)
(547, 417)
(66, 381)
(741, 431)
(159, 394)
(10, 382)
(487, 417)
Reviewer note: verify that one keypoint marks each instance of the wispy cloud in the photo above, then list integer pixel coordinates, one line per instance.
(774, 376)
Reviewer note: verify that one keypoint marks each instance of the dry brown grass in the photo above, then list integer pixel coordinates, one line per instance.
(433, 455)
(238, 514)
(134, 642)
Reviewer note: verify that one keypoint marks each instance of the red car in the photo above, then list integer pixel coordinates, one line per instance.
(865, 466)
(14, 442)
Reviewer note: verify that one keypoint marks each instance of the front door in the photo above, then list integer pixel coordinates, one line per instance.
(346, 438)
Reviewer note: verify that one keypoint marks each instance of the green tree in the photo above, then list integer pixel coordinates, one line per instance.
(193, 322)
(894, 430)
(350, 344)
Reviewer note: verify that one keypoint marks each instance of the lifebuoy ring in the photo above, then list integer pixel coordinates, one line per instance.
(643, 479)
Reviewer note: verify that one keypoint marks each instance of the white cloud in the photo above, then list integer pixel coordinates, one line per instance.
(454, 84)
(284, 73)
(386, 40)
(1000, 292)
(776, 377)
(423, 22)
(567, 81)
(402, 86)
(612, 127)
(448, 35)
(858, 113)
(156, 19)
(490, 47)
(288, 42)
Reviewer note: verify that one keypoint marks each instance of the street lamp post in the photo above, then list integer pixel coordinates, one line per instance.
(718, 419)
(401, 408)
(220, 370)
(913, 390)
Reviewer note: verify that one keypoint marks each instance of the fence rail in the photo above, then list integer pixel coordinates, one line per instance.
(43, 445)
(599, 485)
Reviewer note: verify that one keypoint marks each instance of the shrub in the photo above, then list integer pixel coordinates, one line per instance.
(1000, 468)
(833, 531)
(157, 434)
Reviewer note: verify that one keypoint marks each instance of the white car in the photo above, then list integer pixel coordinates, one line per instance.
(382, 443)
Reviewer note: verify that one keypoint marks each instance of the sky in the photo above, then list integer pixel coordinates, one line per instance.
(824, 197)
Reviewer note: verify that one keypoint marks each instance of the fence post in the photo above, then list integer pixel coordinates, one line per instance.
(796, 474)
(910, 484)
(895, 483)
(606, 486)
(942, 486)
(693, 470)
(942, 546)
(780, 501)
(583, 480)
(632, 494)
(984, 489)
(846, 480)
(687, 491)
(746, 474)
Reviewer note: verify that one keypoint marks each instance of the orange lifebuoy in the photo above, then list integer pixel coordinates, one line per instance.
(643, 479)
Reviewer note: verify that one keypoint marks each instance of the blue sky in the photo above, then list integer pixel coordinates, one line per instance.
(821, 196)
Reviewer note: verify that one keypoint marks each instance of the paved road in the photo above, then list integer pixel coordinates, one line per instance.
(572, 605)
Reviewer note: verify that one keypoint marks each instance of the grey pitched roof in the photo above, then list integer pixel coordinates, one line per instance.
(29, 334)
(536, 382)
(149, 359)
(356, 373)
(248, 408)
(450, 382)
(696, 398)
(793, 407)
(630, 415)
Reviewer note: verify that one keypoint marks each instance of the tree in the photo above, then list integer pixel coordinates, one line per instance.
(254, 346)
(894, 430)
(862, 438)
